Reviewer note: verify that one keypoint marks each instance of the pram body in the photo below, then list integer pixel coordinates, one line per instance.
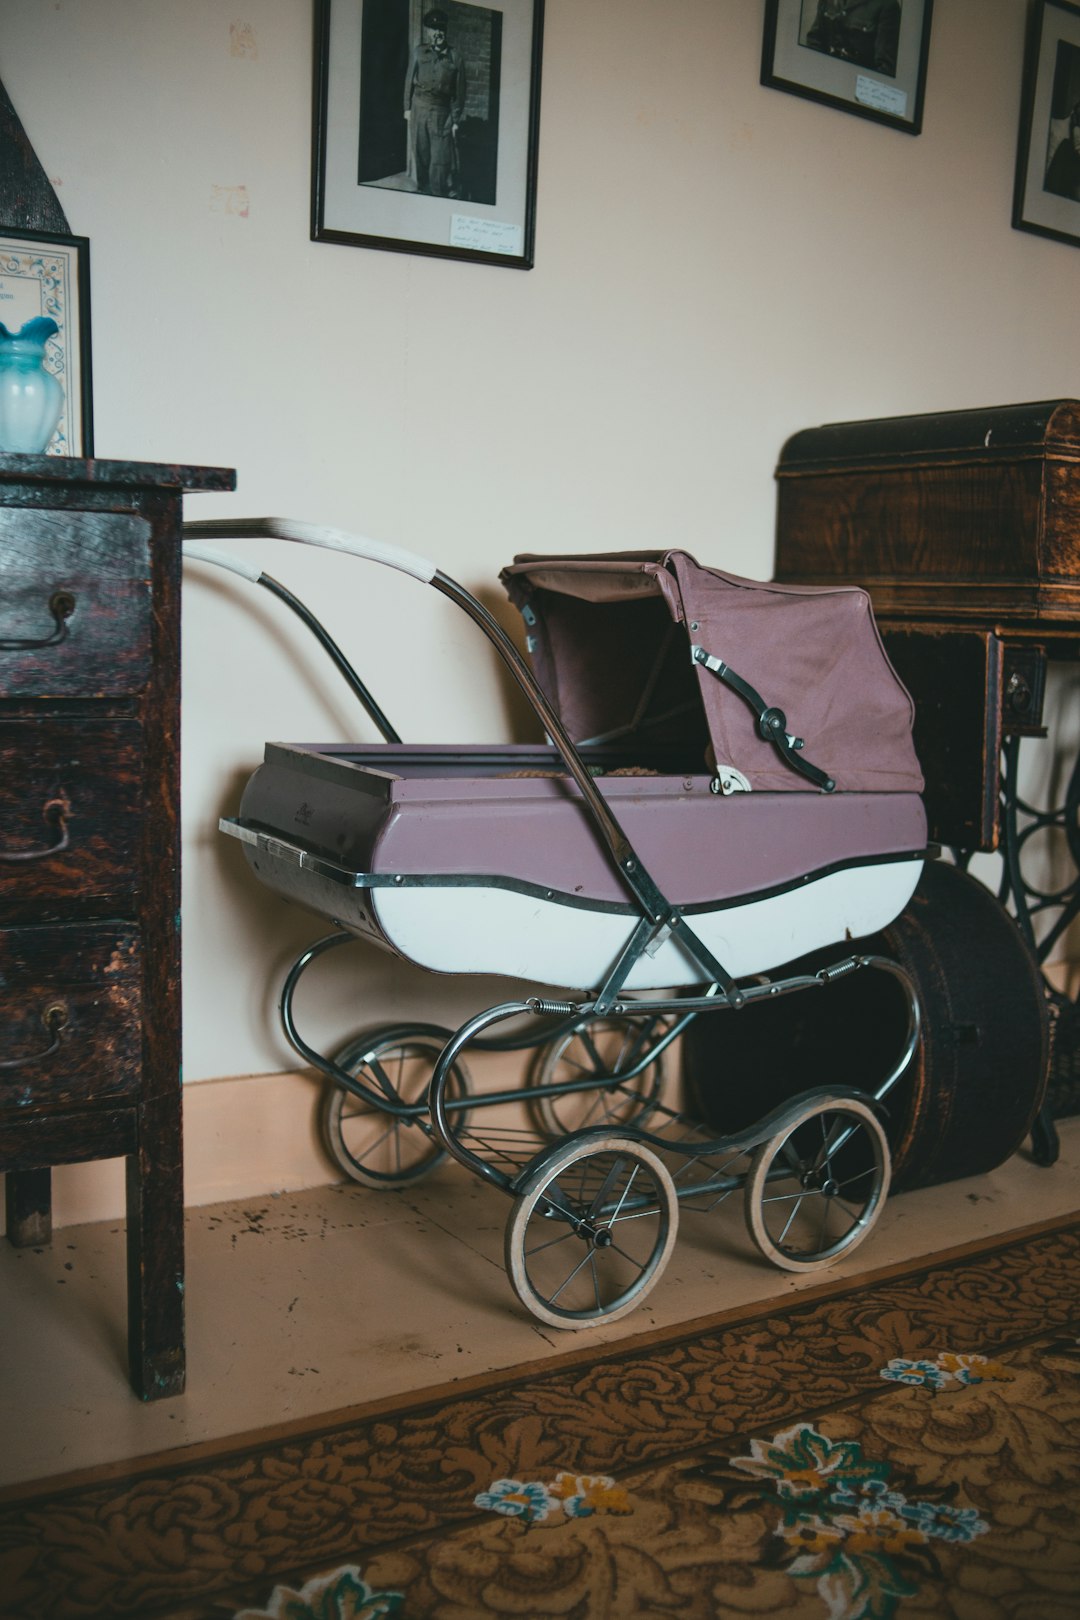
(729, 783)
(485, 860)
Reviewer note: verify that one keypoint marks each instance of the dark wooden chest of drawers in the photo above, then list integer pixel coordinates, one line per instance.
(89, 860)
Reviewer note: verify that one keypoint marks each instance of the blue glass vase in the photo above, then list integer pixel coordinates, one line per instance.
(31, 398)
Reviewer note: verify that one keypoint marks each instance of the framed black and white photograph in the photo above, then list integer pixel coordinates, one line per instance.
(1047, 195)
(426, 121)
(46, 278)
(864, 56)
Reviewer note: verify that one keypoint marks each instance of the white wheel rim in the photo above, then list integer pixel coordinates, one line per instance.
(809, 1202)
(376, 1149)
(591, 1232)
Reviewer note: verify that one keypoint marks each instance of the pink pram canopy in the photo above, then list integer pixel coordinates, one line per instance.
(610, 637)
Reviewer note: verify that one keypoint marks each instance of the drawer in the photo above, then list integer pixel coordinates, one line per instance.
(70, 1015)
(75, 608)
(69, 808)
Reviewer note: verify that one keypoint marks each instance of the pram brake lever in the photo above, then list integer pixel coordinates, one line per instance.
(771, 721)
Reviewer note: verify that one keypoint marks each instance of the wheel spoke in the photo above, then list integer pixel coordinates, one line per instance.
(382, 1079)
(790, 1218)
(606, 1184)
(584, 1261)
(550, 1243)
(831, 1148)
(599, 1100)
(857, 1175)
(375, 1145)
(631, 1259)
(596, 1063)
(616, 1213)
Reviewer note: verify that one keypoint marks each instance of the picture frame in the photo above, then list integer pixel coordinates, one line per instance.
(866, 57)
(456, 178)
(1046, 197)
(46, 274)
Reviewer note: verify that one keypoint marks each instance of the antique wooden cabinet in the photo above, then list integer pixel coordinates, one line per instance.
(964, 526)
(963, 517)
(89, 860)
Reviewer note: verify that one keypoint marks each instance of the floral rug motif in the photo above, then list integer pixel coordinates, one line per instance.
(910, 1447)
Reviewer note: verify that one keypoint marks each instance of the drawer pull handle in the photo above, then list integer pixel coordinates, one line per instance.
(61, 606)
(57, 811)
(55, 1019)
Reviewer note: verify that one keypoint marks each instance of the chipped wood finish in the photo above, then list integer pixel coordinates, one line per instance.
(72, 1015)
(74, 603)
(69, 809)
(89, 859)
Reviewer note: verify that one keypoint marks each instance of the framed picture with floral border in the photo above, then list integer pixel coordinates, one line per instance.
(425, 127)
(43, 275)
(1046, 198)
(864, 56)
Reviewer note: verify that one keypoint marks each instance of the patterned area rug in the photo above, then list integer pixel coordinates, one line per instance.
(909, 1446)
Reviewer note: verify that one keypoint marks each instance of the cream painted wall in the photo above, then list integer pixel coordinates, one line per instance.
(718, 265)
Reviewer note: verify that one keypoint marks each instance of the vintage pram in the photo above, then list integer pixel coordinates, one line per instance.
(728, 783)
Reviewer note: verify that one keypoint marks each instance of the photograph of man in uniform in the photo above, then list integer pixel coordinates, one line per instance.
(429, 98)
(864, 32)
(435, 107)
(1062, 176)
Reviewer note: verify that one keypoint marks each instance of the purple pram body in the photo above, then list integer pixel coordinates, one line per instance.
(484, 859)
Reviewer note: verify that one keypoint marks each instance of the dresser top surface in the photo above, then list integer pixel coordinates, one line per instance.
(72, 471)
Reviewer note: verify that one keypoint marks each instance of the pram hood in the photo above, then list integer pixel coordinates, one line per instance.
(610, 637)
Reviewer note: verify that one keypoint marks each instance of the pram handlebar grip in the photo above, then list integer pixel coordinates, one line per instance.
(313, 534)
(223, 559)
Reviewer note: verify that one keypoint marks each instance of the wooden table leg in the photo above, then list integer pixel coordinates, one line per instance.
(155, 1253)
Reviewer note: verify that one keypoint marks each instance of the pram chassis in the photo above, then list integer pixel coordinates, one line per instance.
(596, 1185)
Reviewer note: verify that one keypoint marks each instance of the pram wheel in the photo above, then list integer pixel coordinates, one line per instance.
(817, 1187)
(373, 1147)
(600, 1046)
(591, 1231)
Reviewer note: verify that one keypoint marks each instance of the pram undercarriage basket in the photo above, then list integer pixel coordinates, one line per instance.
(728, 783)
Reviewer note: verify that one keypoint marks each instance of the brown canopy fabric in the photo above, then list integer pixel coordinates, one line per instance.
(610, 638)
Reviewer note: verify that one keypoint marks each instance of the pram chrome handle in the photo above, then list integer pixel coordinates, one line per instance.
(313, 534)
